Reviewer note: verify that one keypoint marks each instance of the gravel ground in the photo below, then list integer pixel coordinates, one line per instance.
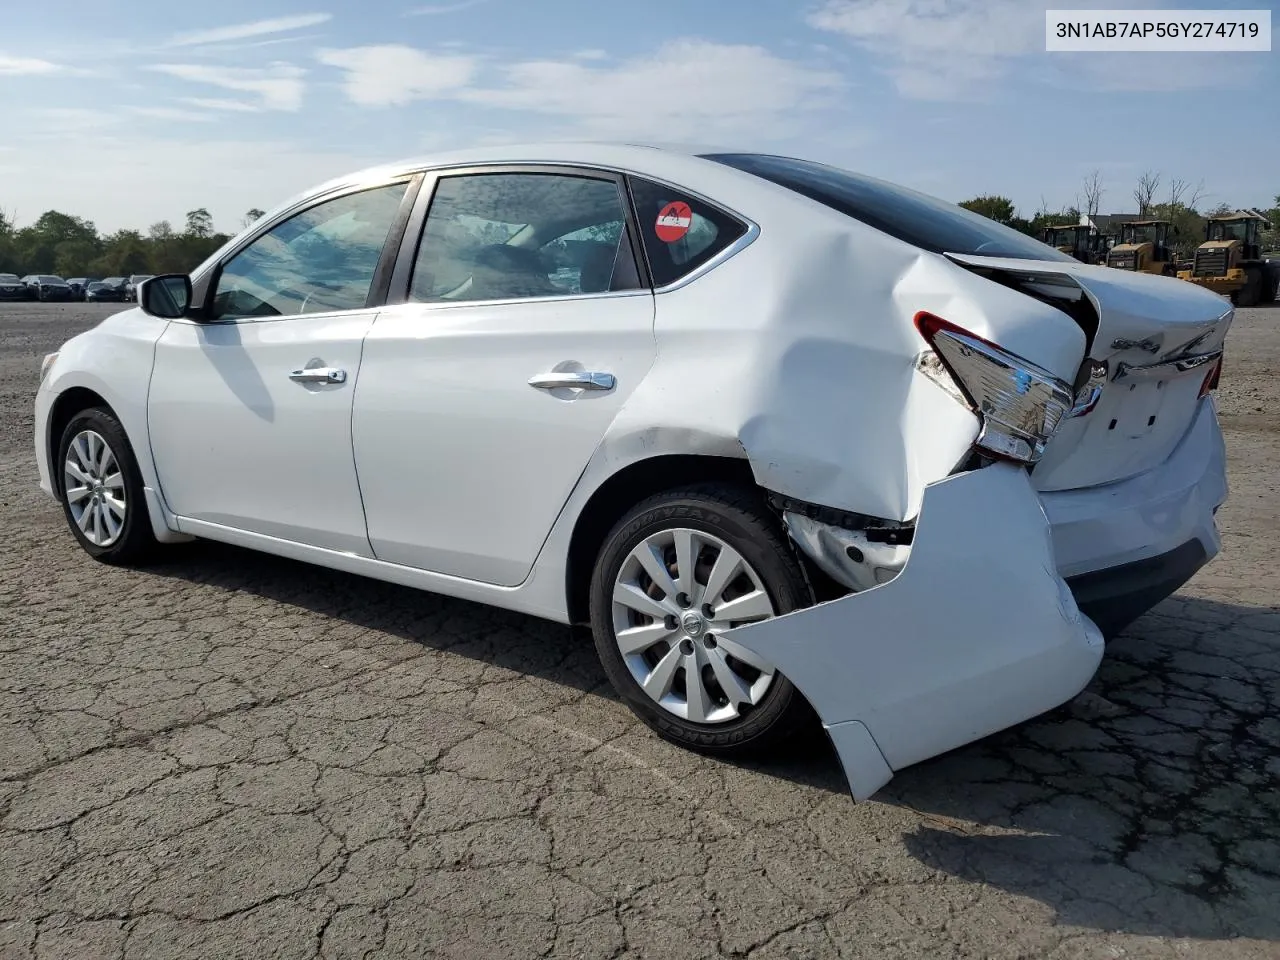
(230, 755)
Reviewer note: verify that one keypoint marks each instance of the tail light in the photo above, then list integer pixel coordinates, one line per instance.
(1019, 404)
(1211, 378)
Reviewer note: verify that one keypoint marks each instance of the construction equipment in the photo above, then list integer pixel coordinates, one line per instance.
(1079, 240)
(1230, 260)
(1143, 246)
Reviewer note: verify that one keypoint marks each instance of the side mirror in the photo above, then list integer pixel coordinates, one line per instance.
(167, 297)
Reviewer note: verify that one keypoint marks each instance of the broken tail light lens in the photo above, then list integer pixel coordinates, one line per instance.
(1210, 383)
(1019, 404)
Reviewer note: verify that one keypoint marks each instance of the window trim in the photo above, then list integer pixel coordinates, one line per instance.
(402, 274)
(206, 284)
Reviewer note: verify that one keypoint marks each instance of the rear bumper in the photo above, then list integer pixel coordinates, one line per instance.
(1115, 597)
(978, 632)
(1125, 546)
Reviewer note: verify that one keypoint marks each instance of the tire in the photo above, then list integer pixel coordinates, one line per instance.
(1251, 292)
(718, 516)
(120, 483)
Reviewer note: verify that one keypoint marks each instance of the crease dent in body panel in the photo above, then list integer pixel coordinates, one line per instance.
(839, 416)
(976, 634)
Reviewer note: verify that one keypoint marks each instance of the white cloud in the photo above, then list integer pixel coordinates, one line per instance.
(14, 66)
(435, 9)
(220, 103)
(280, 85)
(170, 113)
(961, 49)
(691, 90)
(687, 89)
(938, 49)
(390, 75)
(257, 28)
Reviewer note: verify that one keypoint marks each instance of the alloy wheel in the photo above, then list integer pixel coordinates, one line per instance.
(93, 485)
(676, 594)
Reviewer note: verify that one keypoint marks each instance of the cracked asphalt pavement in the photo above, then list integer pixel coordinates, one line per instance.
(232, 755)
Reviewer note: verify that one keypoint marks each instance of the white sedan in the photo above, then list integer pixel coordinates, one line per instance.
(789, 438)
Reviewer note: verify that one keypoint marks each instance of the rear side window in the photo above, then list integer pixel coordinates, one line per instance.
(680, 232)
(915, 218)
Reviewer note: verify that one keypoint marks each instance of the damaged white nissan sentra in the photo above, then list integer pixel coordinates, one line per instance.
(784, 435)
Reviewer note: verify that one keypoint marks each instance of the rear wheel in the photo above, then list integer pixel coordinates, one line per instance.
(101, 489)
(678, 572)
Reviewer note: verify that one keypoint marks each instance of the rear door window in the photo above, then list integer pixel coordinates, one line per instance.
(521, 236)
(680, 232)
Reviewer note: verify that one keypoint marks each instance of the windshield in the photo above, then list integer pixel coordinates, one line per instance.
(912, 217)
(1145, 234)
(8, 278)
(48, 279)
(1235, 230)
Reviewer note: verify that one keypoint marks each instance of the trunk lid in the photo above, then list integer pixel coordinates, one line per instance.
(1157, 336)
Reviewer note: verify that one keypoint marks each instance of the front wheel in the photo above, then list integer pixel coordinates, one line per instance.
(101, 489)
(674, 576)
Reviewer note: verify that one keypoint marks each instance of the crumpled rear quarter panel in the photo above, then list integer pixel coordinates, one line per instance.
(800, 352)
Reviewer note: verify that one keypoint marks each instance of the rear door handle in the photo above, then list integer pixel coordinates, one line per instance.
(319, 375)
(577, 379)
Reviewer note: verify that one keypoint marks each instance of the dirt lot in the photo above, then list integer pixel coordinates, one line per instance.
(230, 755)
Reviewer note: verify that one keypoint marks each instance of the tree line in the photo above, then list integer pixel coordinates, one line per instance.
(68, 246)
(1154, 198)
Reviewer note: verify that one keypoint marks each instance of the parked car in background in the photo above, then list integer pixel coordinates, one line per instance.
(78, 286)
(685, 399)
(44, 287)
(102, 292)
(12, 287)
(131, 285)
(116, 284)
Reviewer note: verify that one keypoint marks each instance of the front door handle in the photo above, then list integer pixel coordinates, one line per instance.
(319, 375)
(576, 379)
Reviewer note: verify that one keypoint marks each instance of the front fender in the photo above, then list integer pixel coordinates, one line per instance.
(977, 633)
(114, 360)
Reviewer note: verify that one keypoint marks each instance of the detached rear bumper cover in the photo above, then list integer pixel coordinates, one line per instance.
(978, 632)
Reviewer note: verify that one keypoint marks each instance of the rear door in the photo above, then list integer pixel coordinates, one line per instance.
(525, 326)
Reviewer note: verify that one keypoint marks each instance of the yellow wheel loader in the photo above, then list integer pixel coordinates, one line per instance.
(1230, 261)
(1143, 246)
(1078, 240)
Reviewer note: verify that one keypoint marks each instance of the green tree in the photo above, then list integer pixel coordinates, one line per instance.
(9, 262)
(71, 257)
(999, 209)
(199, 223)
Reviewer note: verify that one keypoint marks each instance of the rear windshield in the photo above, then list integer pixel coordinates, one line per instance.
(915, 218)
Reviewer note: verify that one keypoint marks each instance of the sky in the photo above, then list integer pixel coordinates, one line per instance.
(128, 113)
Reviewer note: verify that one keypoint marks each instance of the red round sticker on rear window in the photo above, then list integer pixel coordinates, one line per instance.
(673, 221)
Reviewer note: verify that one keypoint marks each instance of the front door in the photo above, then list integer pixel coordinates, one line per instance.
(482, 399)
(250, 409)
